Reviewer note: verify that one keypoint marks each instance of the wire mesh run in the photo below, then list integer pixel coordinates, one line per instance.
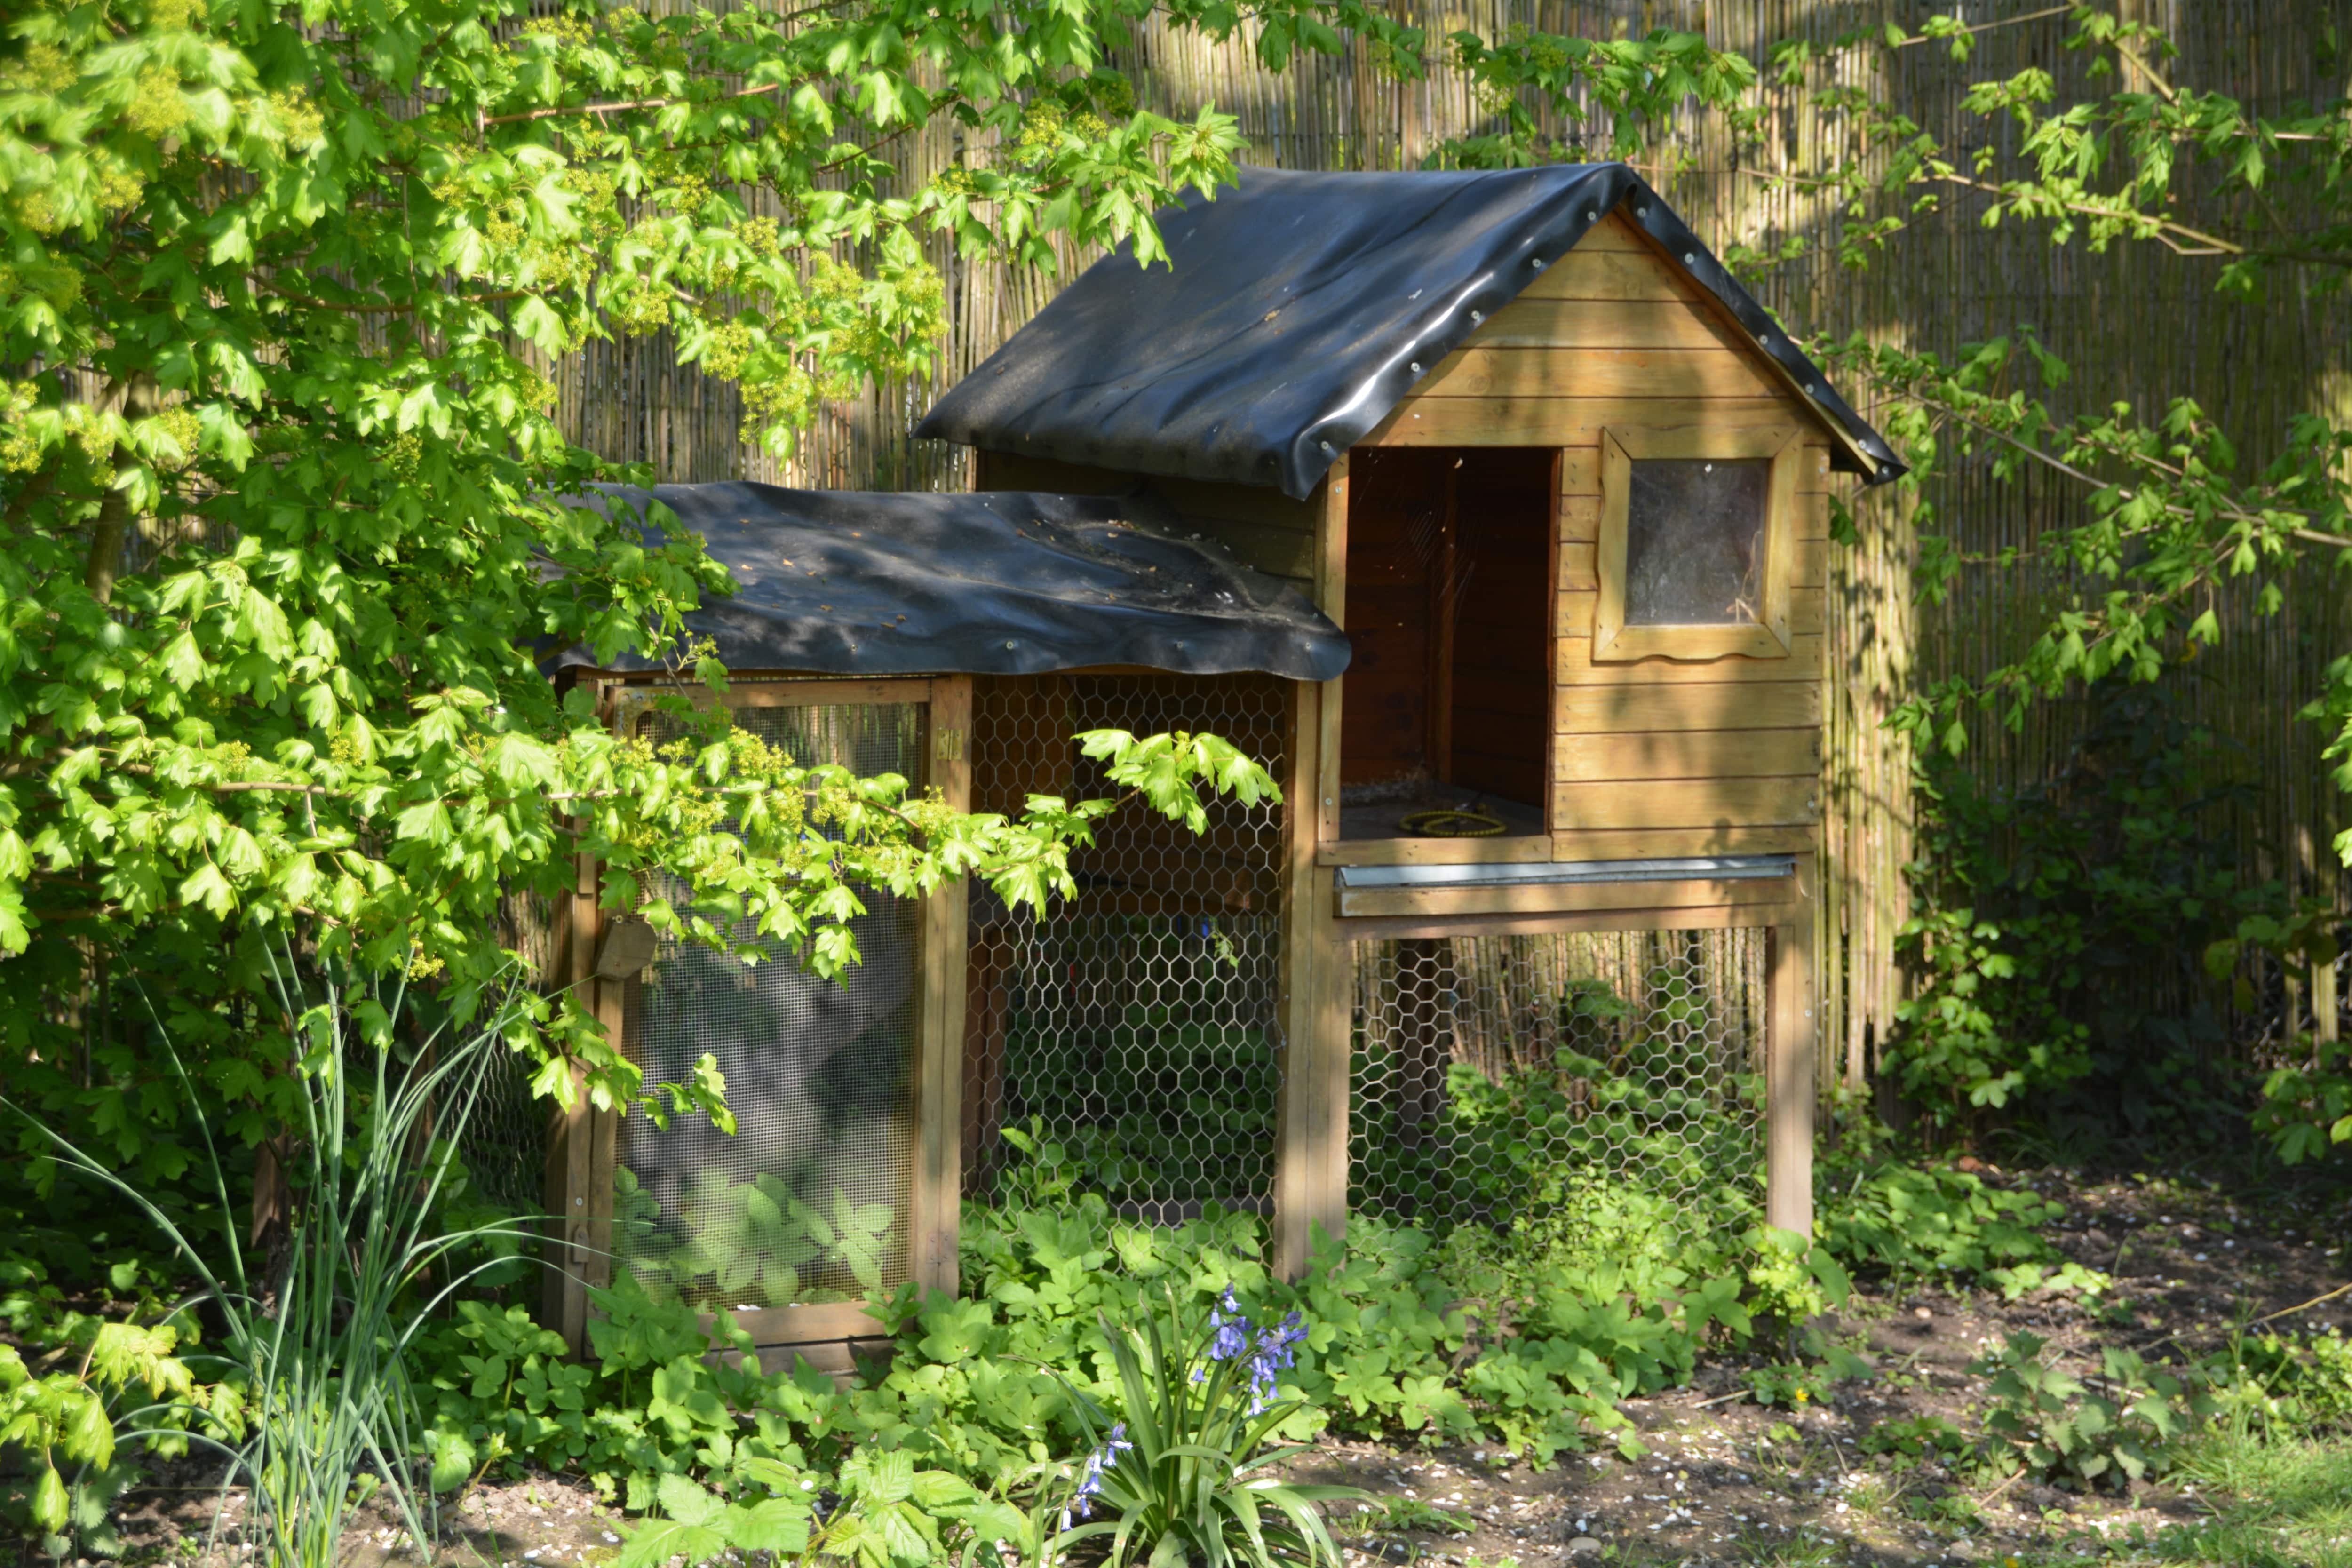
(1125, 1042)
(808, 1200)
(1502, 1079)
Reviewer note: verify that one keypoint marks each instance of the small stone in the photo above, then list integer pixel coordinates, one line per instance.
(1922, 1314)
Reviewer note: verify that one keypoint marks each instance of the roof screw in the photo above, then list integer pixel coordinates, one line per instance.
(1764, 343)
(1590, 214)
(1008, 642)
(1326, 447)
(1690, 259)
(1642, 211)
(1812, 389)
(1414, 366)
(1476, 316)
(1536, 262)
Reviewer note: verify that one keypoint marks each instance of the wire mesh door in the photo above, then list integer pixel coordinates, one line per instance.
(1610, 1078)
(1125, 1043)
(808, 1202)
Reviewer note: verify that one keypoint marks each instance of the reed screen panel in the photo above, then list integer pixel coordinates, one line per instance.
(1122, 1050)
(1588, 1081)
(808, 1201)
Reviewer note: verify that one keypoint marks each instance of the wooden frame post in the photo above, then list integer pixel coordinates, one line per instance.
(1308, 1119)
(1789, 1071)
(935, 1199)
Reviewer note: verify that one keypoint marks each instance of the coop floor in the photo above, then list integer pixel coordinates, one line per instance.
(1380, 819)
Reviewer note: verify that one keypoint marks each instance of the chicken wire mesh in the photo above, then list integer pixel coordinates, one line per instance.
(1125, 1041)
(1502, 1079)
(807, 1200)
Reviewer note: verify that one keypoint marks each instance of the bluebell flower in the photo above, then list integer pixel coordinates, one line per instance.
(1276, 1350)
(1232, 1329)
(1090, 1480)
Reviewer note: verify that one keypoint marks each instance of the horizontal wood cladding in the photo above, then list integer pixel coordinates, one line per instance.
(1595, 373)
(1686, 754)
(1264, 528)
(1715, 803)
(1628, 708)
(1549, 897)
(1564, 421)
(1600, 324)
(1579, 473)
(1807, 608)
(1597, 272)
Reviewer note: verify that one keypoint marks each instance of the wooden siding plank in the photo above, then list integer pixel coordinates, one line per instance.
(1602, 324)
(1687, 754)
(1563, 421)
(1585, 710)
(1579, 475)
(1594, 373)
(1688, 803)
(1600, 274)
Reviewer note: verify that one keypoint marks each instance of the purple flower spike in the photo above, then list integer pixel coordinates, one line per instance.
(1232, 1329)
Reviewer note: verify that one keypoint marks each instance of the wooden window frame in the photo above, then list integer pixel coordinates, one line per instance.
(582, 1163)
(1768, 637)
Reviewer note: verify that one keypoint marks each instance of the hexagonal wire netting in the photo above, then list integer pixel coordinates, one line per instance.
(1616, 1076)
(1128, 1040)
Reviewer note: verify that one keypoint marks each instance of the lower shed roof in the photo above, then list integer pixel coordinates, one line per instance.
(1008, 583)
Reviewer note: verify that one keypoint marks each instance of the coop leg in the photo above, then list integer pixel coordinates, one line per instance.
(1789, 1074)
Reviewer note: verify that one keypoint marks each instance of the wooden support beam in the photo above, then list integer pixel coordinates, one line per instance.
(1788, 1073)
(935, 1195)
(1304, 1120)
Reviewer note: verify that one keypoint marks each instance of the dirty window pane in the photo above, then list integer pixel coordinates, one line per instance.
(1694, 544)
(807, 1201)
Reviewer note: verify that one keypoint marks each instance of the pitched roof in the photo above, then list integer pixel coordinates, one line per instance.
(865, 583)
(1299, 308)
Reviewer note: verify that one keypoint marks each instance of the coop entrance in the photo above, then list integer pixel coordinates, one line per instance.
(817, 1197)
(1447, 700)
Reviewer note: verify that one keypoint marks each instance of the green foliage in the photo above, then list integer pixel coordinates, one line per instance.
(754, 1238)
(1915, 1438)
(2307, 1100)
(879, 1512)
(2300, 1385)
(1892, 1221)
(1187, 1474)
(2055, 913)
(2121, 1430)
(1639, 1131)
(127, 1388)
(313, 1405)
(281, 284)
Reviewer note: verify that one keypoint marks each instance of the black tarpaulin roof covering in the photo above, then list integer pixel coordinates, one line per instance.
(859, 583)
(1298, 310)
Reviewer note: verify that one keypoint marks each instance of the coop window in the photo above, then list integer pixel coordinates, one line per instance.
(811, 1200)
(1696, 536)
(1447, 705)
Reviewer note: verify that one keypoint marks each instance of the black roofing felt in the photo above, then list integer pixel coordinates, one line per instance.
(858, 582)
(1298, 310)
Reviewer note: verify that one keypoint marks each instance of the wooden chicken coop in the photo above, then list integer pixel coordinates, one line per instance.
(1488, 512)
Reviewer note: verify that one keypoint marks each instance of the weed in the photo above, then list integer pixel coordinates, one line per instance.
(2054, 1426)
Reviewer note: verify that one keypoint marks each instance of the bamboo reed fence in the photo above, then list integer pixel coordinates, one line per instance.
(2135, 322)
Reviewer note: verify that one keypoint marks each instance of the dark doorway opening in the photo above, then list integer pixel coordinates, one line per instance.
(1447, 702)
